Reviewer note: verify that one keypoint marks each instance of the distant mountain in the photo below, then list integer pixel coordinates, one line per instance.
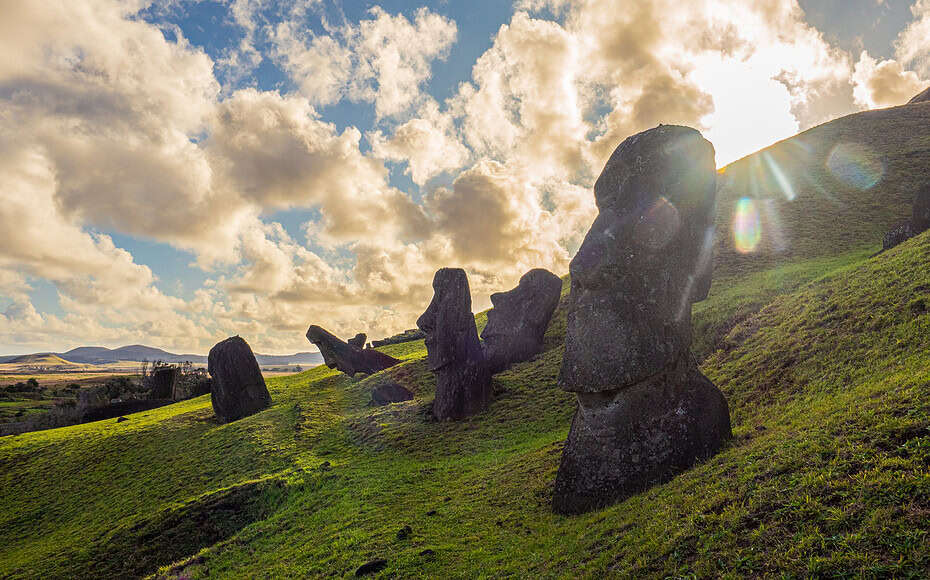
(139, 353)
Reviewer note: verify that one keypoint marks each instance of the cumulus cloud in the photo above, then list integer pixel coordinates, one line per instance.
(383, 60)
(912, 47)
(109, 124)
(883, 83)
(428, 144)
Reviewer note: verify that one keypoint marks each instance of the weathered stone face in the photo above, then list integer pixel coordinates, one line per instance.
(347, 357)
(644, 261)
(463, 383)
(517, 323)
(644, 411)
(238, 388)
(451, 334)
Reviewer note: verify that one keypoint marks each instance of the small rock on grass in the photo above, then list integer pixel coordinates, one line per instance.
(371, 567)
(404, 533)
(121, 419)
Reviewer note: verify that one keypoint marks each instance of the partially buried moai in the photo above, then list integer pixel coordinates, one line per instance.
(645, 412)
(238, 386)
(517, 323)
(463, 382)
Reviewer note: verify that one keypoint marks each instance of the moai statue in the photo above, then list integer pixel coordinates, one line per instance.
(463, 383)
(238, 386)
(517, 323)
(348, 357)
(645, 412)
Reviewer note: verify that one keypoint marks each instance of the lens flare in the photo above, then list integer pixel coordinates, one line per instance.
(780, 178)
(658, 224)
(747, 227)
(855, 165)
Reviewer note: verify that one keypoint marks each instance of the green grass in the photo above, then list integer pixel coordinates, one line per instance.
(822, 352)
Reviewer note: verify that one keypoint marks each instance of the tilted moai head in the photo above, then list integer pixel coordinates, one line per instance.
(451, 334)
(645, 260)
(463, 383)
(348, 357)
(517, 323)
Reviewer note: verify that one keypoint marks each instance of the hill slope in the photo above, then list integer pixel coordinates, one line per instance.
(807, 205)
(46, 359)
(823, 353)
(828, 471)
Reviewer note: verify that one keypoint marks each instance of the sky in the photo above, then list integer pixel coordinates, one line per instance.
(173, 172)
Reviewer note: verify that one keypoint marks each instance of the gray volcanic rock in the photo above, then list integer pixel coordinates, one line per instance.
(920, 216)
(625, 440)
(358, 340)
(919, 222)
(463, 383)
(387, 392)
(899, 234)
(238, 388)
(644, 412)
(517, 323)
(347, 357)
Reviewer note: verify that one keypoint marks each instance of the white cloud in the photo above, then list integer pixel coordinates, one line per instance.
(107, 125)
(884, 83)
(912, 46)
(429, 144)
(383, 60)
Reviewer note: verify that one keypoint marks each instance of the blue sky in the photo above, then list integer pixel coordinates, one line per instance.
(178, 171)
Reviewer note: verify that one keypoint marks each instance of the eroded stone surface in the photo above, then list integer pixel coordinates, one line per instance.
(920, 216)
(358, 340)
(919, 222)
(899, 234)
(463, 382)
(644, 411)
(517, 323)
(625, 440)
(238, 388)
(347, 357)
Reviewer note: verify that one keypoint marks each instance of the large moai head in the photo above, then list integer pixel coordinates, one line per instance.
(517, 323)
(451, 334)
(645, 260)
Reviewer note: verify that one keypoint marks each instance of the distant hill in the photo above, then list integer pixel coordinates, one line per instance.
(43, 359)
(139, 353)
(834, 188)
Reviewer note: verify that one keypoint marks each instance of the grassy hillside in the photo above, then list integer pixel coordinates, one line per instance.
(824, 199)
(822, 351)
(48, 360)
(829, 390)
